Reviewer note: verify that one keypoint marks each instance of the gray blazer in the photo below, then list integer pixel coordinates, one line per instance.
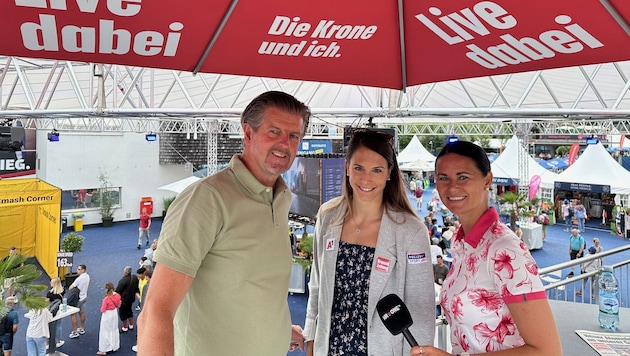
(410, 276)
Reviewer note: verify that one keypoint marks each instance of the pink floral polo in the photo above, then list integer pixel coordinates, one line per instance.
(491, 268)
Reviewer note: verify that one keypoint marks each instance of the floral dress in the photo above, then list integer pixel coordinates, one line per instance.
(491, 269)
(348, 330)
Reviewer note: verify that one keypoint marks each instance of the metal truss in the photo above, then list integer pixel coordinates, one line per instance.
(72, 96)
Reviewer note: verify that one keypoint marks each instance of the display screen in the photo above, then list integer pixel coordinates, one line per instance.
(313, 181)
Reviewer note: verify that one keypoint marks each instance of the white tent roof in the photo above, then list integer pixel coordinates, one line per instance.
(506, 165)
(415, 151)
(180, 185)
(596, 166)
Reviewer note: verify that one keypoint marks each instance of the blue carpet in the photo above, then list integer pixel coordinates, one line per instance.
(108, 250)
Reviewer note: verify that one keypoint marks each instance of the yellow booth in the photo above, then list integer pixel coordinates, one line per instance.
(30, 213)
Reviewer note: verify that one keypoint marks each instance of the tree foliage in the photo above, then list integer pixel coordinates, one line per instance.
(18, 275)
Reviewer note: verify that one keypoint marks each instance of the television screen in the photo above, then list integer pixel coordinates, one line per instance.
(313, 181)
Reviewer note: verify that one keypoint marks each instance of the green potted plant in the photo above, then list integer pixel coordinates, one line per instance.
(516, 205)
(305, 248)
(167, 203)
(72, 242)
(17, 274)
(106, 199)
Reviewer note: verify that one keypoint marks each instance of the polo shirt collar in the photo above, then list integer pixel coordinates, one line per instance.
(479, 228)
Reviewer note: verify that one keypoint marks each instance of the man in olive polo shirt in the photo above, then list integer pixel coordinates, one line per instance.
(224, 261)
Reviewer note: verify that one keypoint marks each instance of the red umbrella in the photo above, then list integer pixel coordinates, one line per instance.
(351, 42)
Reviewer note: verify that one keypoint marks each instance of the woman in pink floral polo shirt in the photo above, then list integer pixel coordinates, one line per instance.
(492, 297)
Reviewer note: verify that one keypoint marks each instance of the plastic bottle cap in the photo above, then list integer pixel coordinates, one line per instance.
(607, 269)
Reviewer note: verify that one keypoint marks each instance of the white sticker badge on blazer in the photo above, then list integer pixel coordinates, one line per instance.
(330, 244)
(414, 258)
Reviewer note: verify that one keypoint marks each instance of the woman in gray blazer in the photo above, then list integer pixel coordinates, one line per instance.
(368, 243)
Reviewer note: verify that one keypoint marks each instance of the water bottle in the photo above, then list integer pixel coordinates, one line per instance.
(64, 304)
(608, 300)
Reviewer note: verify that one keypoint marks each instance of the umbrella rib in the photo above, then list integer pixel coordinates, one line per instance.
(215, 36)
(403, 62)
(615, 15)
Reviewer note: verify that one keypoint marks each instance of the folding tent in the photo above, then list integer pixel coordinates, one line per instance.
(415, 151)
(30, 216)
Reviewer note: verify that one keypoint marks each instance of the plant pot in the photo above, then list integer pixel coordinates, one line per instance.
(108, 222)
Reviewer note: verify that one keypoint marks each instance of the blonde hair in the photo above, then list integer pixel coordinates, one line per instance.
(57, 288)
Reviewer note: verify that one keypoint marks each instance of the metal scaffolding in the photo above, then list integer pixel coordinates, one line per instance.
(72, 96)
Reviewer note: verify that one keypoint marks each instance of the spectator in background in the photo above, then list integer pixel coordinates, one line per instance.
(576, 247)
(37, 331)
(440, 270)
(566, 215)
(141, 283)
(434, 228)
(145, 225)
(127, 288)
(144, 291)
(148, 253)
(82, 283)
(418, 193)
(436, 250)
(580, 215)
(10, 326)
(108, 334)
(587, 267)
(598, 249)
(8, 282)
(544, 220)
(56, 292)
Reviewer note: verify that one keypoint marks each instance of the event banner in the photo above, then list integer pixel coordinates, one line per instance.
(379, 43)
(582, 187)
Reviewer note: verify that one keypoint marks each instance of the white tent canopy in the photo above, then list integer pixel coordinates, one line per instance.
(180, 185)
(596, 167)
(415, 151)
(505, 167)
(418, 165)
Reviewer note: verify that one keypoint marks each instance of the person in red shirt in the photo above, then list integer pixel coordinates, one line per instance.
(145, 224)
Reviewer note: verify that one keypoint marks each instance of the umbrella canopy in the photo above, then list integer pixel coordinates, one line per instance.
(379, 43)
(180, 185)
(554, 163)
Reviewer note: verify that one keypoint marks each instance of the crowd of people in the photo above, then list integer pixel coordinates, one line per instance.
(116, 309)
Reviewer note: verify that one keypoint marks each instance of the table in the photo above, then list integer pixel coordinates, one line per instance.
(52, 328)
(577, 316)
(532, 236)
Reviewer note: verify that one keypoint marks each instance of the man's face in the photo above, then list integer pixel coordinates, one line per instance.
(270, 151)
(80, 270)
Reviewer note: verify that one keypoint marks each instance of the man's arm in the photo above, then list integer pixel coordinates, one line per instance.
(155, 323)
